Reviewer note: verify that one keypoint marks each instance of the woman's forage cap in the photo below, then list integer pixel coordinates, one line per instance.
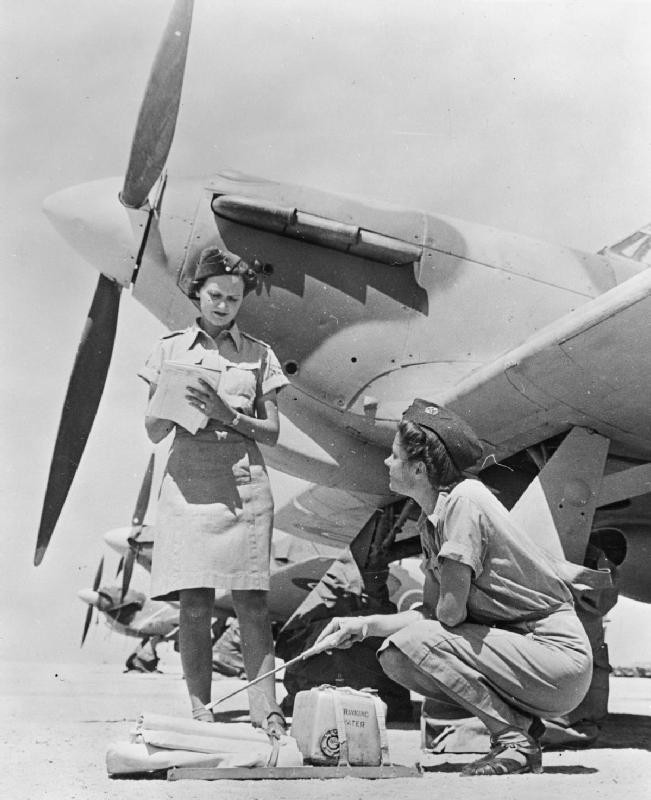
(214, 261)
(459, 439)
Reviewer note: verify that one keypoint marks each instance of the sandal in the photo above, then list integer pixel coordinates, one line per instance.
(275, 725)
(535, 732)
(502, 758)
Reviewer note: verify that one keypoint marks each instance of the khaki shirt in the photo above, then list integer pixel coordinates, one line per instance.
(249, 367)
(512, 579)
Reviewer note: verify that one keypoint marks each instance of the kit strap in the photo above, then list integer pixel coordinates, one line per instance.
(382, 727)
(341, 728)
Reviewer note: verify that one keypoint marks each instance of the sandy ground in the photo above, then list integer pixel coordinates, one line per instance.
(56, 722)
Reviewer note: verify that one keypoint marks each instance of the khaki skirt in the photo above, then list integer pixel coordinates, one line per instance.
(215, 516)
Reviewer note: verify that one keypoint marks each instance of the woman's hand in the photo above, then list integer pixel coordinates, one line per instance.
(206, 399)
(342, 633)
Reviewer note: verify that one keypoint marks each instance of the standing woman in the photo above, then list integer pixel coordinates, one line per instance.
(215, 511)
(497, 636)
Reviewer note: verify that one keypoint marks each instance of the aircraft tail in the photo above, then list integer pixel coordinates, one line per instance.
(637, 246)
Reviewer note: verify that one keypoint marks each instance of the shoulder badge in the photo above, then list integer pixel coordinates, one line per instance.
(171, 334)
(253, 339)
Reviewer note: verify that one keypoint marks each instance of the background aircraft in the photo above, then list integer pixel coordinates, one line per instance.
(528, 119)
(296, 567)
(131, 614)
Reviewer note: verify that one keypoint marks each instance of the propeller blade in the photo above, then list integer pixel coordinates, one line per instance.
(89, 612)
(142, 503)
(87, 621)
(98, 574)
(129, 561)
(137, 521)
(82, 399)
(154, 132)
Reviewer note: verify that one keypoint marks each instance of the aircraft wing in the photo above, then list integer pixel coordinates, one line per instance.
(322, 513)
(157, 618)
(332, 516)
(589, 368)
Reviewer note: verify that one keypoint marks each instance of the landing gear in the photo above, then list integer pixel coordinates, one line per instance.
(227, 652)
(356, 584)
(144, 658)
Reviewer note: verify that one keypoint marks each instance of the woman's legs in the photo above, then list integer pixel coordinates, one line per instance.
(513, 749)
(257, 650)
(478, 699)
(195, 645)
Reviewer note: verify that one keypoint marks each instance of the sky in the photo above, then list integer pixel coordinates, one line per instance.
(530, 117)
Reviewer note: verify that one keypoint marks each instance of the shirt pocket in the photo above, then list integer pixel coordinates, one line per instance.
(429, 562)
(210, 359)
(426, 550)
(239, 383)
(187, 357)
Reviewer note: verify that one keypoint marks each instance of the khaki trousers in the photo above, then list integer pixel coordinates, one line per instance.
(503, 676)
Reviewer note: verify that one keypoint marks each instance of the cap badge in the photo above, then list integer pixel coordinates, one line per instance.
(433, 410)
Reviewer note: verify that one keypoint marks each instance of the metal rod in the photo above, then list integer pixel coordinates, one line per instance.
(326, 644)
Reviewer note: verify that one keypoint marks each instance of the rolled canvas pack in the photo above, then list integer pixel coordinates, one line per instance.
(160, 742)
(340, 725)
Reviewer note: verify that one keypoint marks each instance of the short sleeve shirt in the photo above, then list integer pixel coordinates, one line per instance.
(512, 579)
(249, 367)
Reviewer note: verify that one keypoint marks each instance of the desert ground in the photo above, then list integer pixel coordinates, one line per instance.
(57, 720)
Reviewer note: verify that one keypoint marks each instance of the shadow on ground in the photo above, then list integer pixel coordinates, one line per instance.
(457, 766)
(623, 731)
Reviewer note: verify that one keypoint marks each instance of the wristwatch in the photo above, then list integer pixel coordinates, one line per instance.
(236, 420)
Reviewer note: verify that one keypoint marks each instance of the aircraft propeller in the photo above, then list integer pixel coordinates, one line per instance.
(80, 406)
(137, 521)
(149, 150)
(89, 612)
(159, 109)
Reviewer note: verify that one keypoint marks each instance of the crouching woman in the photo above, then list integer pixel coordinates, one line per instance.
(497, 636)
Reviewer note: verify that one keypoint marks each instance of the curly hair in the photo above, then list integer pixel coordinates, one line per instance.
(421, 444)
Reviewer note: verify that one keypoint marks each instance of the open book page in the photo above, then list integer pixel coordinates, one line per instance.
(169, 400)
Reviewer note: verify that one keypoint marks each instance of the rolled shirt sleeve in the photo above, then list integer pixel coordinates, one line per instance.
(463, 537)
(273, 376)
(150, 371)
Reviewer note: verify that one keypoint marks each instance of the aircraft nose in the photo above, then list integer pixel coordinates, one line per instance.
(92, 220)
(118, 539)
(89, 596)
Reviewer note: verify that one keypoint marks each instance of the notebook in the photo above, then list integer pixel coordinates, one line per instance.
(169, 400)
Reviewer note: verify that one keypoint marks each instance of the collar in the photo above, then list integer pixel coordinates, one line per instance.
(195, 331)
(437, 512)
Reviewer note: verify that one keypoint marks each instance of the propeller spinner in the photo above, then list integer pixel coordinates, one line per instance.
(150, 147)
